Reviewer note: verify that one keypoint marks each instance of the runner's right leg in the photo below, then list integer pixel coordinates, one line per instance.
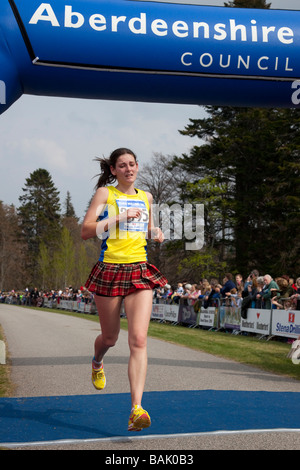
(109, 316)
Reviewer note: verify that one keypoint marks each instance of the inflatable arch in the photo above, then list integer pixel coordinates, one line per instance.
(149, 51)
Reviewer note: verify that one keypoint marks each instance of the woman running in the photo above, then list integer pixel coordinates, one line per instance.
(121, 215)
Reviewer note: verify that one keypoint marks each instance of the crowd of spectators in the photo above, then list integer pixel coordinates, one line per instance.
(35, 297)
(254, 292)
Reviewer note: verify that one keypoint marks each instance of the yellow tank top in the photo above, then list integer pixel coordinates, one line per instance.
(126, 242)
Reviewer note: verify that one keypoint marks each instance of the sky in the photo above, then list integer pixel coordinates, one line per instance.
(63, 135)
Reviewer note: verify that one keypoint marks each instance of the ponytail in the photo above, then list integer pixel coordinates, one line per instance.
(105, 177)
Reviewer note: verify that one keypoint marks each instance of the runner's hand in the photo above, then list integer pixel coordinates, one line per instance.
(157, 235)
(129, 214)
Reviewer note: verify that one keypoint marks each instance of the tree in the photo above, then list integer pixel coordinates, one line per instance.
(44, 262)
(64, 259)
(254, 155)
(82, 266)
(69, 208)
(39, 214)
(160, 179)
(12, 250)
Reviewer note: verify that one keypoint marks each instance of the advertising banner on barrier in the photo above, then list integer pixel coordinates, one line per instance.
(80, 306)
(65, 305)
(171, 313)
(258, 321)
(286, 323)
(187, 314)
(71, 305)
(158, 312)
(207, 317)
(230, 317)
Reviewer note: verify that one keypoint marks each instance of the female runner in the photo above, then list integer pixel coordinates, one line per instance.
(121, 214)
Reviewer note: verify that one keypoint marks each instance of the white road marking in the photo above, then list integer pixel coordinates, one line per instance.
(148, 437)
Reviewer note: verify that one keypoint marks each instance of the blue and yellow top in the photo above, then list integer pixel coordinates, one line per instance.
(125, 242)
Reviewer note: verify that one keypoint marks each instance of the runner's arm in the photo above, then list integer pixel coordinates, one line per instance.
(154, 233)
(92, 227)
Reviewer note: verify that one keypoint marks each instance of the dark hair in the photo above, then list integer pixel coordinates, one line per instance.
(106, 177)
(229, 276)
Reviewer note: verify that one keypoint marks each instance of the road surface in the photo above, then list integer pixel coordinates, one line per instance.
(50, 356)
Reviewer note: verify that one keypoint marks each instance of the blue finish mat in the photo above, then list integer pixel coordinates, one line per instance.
(99, 416)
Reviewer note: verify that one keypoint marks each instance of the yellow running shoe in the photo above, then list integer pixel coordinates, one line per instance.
(98, 378)
(138, 419)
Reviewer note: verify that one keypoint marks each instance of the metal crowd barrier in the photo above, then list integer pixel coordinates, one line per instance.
(71, 305)
(223, 315)
(217, 314)
(187, 312)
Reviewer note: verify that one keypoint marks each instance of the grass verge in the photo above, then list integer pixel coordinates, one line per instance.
(270, 356)
(6, 386)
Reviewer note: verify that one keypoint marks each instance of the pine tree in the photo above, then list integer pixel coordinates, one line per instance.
(252, 161)
(12, 250)
(39, 215)
(44, 262)
(69, 208)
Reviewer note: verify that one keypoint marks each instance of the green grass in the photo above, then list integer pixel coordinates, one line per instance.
(266, 355)
(6, 387)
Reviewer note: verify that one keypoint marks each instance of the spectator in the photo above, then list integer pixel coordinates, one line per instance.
(194, 294)
(252, 276)
(179, 289)
(252, 290)
(291, 281)
(266, 293)
(239, 282)
(186, 291)
(296, 293)
(228, 284)
(178, 293)
(157, 294)
(206, 288)
(286, 290)
(167, 291)
(34, 294)
(236, 298)
(215, 293)
(231, 297)
(283, 303)
(296, 285)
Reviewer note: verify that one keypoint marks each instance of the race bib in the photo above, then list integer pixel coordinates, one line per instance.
(133, 225)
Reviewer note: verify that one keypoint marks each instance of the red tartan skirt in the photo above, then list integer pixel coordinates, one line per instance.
(110, 279)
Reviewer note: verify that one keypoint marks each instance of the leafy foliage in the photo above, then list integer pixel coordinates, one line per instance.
(246, 174)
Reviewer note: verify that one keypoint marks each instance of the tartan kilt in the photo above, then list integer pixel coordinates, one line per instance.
(111, 279)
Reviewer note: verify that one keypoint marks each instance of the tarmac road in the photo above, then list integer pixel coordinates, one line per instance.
(50, 356)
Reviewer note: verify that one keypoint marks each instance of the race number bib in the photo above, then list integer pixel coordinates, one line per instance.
(133, 225)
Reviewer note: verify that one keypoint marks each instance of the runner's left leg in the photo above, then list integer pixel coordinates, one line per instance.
(138, 307)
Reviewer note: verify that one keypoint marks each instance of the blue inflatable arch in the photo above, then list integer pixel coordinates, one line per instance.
(149, 51)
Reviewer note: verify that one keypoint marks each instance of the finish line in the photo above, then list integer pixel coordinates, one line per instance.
(139, 438)
(97, 418)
